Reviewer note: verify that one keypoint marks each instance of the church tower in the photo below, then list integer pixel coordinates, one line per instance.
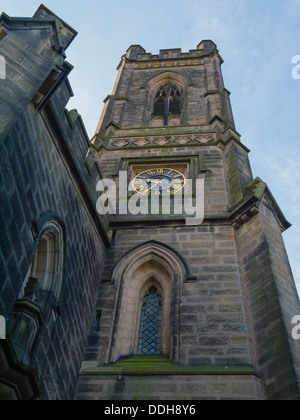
(188, 311)
(147, 261)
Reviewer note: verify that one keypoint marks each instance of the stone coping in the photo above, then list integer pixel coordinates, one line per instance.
(159, 365)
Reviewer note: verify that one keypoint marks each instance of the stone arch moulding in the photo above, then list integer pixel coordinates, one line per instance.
(50, 229)
(168, 76)
(53, 232)
(151, 263)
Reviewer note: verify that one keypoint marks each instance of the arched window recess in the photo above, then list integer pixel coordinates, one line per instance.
(46, 267)
(146, 278)
(39, 295)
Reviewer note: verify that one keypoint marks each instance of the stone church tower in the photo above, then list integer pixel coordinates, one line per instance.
(225, 288)
(134, 305)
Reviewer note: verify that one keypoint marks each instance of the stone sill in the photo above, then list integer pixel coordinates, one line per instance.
(156, 365)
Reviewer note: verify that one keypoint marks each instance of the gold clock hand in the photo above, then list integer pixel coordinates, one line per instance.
(156, 183)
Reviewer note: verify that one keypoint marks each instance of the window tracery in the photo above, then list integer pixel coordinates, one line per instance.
(167, 102)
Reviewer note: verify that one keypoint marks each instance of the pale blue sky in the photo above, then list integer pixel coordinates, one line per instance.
(257, 40)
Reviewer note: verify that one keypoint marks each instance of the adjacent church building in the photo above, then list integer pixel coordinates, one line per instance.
(120, 305)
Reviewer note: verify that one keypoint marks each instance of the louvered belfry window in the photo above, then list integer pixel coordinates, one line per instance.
(150, 328)
(167, 102)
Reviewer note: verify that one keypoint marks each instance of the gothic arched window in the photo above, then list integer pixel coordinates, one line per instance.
(47, 264)
(167, 102)
(147, 278)
(150, 326)
(40, 292)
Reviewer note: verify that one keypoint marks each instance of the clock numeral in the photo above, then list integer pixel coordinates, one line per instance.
(157, 182)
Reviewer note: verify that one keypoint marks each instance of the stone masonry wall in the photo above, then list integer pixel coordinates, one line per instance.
(35, 180)
(168, 388)
(214, 323)
(272, 302)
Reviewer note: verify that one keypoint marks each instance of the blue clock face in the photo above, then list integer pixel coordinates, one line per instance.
(159, 181)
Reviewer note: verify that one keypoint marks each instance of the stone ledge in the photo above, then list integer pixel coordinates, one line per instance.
(159, 365)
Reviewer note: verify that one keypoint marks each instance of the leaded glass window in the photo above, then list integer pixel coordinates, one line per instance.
(150, 328)
(159, 106)
(167, 102)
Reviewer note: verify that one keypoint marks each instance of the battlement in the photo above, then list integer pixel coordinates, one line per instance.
(138, 53)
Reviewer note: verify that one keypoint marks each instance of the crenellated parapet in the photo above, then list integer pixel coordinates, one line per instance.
(204, 48)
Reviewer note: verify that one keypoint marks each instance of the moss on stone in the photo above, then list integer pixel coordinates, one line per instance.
(158, 365)
(234, 178)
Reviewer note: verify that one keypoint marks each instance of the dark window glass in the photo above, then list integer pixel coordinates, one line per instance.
(159, 107)
(174, 107)
(150, 329)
